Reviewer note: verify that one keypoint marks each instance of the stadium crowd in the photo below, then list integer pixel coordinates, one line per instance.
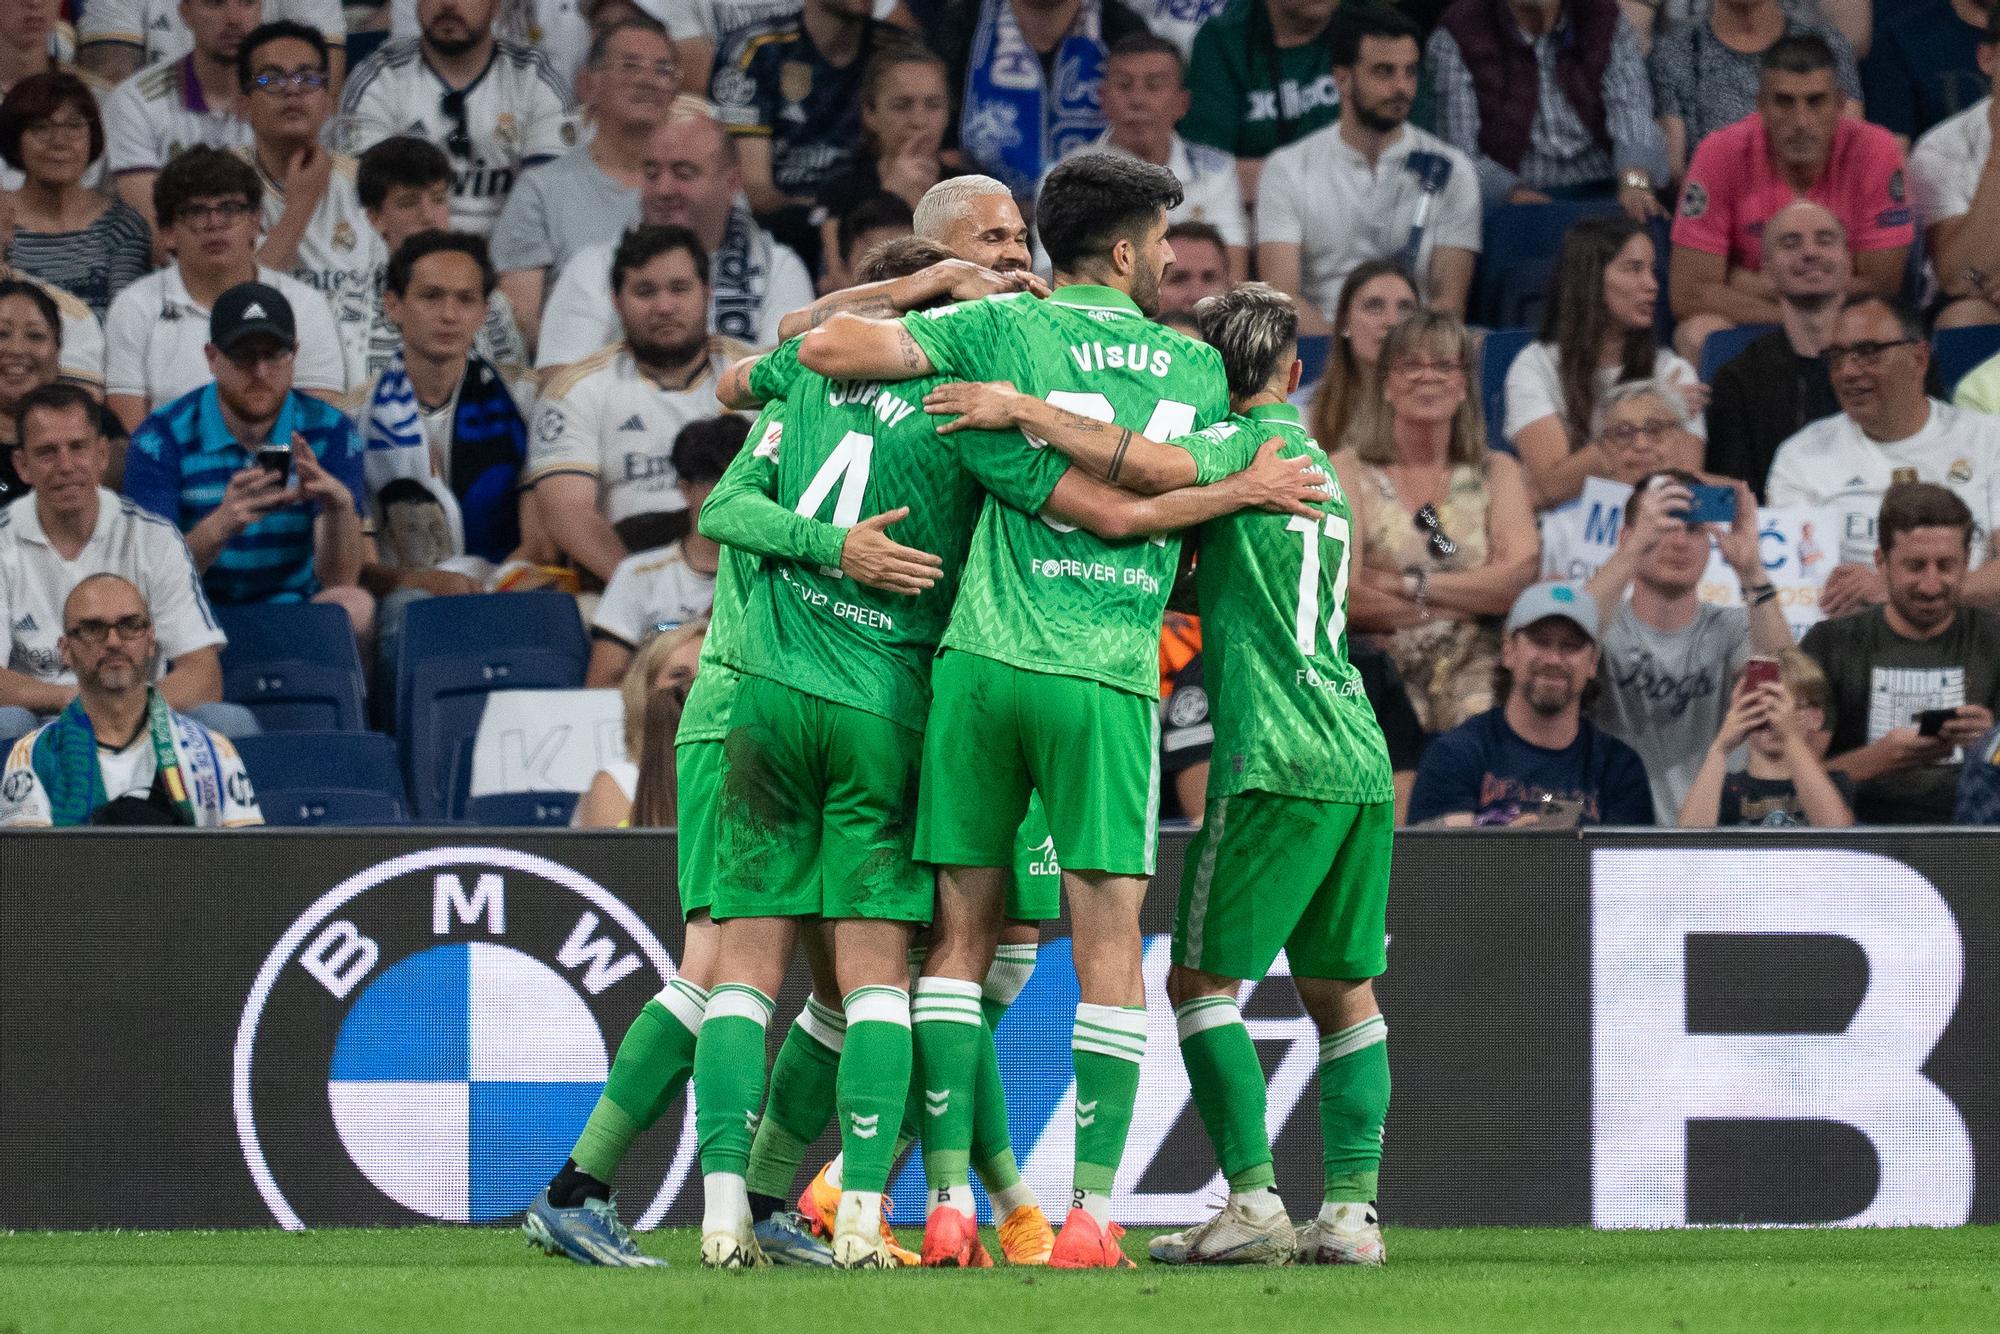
(377, 303)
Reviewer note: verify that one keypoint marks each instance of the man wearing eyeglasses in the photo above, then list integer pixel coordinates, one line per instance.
(208, 201)
(314, 226)
(118, 754)
(182, 101)
(1888, 430)
(262, 480)
(117, 37)
(71, 527)
(497, 107)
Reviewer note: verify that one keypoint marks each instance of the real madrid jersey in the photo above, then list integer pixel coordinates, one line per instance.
(155, 334)
(604, 418)
(155, 26)
(160, 111)
(556, 28)
(339, 256)
(1831, 463)
(518, 112)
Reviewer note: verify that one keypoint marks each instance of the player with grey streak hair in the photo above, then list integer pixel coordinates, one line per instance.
(1256, 329)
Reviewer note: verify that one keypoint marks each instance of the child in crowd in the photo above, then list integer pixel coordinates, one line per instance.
(1786, 781)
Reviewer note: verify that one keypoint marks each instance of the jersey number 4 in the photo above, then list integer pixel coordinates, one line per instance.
(1169, 419)
(848, 466)
(1306, 619)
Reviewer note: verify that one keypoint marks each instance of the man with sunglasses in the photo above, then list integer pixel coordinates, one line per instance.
(1888, 429)
(315, 228)
(186, 99)
(496, 106)
(118, 754)
(208, 202)
(262, 480)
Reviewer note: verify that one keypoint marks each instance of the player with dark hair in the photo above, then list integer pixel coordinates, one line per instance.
(1048, 680)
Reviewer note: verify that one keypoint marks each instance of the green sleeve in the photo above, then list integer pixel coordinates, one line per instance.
(1005, 465)
(1220, 451)
(959, 340)
(1215, 97)
(772, 375)
(741, 513)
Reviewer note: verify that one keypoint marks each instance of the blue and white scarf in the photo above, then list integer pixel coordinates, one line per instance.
(1014, 125)
(489, 444)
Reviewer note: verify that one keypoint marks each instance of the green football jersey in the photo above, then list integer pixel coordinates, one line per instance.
(1039, 594)
(854, 449)
(1289, 712)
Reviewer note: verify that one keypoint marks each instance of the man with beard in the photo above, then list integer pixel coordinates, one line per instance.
(1798, 144)
(496, 106)
(1049, 677)
(186, 100)
(118, 754)
(1536, 758)
(116, 38)
(1924, 651)
(601, 456)
(691, 179)
(1369, 186)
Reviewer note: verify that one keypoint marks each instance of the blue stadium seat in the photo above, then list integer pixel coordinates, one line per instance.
(1720, 348)
(1313, 350)
(1519, 255)
(1496, 353)
(1959, 352)
(523, 809)
(457, 650)
(325, 778)
(294, 665)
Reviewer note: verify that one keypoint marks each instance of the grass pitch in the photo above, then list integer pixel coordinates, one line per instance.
(441, 1280)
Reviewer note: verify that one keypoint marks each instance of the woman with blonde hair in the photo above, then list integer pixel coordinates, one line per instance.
(1444, 531)
(664, 667)
(1376, 298)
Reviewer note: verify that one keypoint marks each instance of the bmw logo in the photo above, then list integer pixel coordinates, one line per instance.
(426, 1041)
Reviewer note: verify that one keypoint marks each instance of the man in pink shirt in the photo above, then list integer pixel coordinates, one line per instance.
(1796, 145)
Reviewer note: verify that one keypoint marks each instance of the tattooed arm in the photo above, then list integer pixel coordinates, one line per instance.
(954, 279)
(854, 347)
(733, 389)
(1106, 450)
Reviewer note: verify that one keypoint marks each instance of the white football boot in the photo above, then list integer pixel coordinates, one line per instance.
(1232, 1237)
(1354, 1237)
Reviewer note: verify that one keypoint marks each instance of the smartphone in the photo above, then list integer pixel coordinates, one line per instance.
(1760, 672)
(276, 460)
(1931, 722)
(1712, 504)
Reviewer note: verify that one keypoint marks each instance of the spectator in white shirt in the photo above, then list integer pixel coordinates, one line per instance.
(1597, 331)
(590, 194)
(1955, 184)
(119, 37)
(692, 181)
(497, 107)
(600, 462)
(1144, 95)
(208, 203)
(182, 101)
(652, 592)
(1369, 186)
(1888, 430)
(404, 185)
(314, 226)
(71, 527)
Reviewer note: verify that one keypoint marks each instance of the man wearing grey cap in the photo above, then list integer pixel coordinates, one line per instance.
(260, 478)
(1536, 759)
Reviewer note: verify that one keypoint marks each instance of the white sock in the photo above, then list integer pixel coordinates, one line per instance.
(859, 1209)
(1343, 1213)
(725, 1203)
(952, 1197)
(1007, 1201)
(833, 1172)
(1096, 1205)
(1260, 1204)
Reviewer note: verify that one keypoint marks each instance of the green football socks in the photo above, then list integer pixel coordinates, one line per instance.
(1229, 1090)
(801, 1102)
(1106, 1045)
(652, 1065)
(729, 1076)
(1353, 1102)
(873, 1082)
(949, 1027)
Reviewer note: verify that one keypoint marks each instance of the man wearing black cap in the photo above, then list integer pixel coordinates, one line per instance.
(260, 478)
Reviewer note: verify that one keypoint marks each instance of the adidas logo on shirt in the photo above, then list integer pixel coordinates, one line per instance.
(1857, 483)
(26, 625)
(633, 423)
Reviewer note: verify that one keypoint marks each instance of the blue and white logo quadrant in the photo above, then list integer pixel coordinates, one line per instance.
(461, 1077)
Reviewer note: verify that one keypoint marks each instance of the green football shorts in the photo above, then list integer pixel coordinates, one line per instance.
(1268, 872)
(1035, 892)
(997, 732)
(697, 792)
(817, 811)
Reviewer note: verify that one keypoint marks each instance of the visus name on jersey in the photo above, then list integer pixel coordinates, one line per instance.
(867, 617)
(1122, 357)
(888, 409)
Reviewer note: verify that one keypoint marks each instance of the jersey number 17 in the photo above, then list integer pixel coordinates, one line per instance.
(1305, 620)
